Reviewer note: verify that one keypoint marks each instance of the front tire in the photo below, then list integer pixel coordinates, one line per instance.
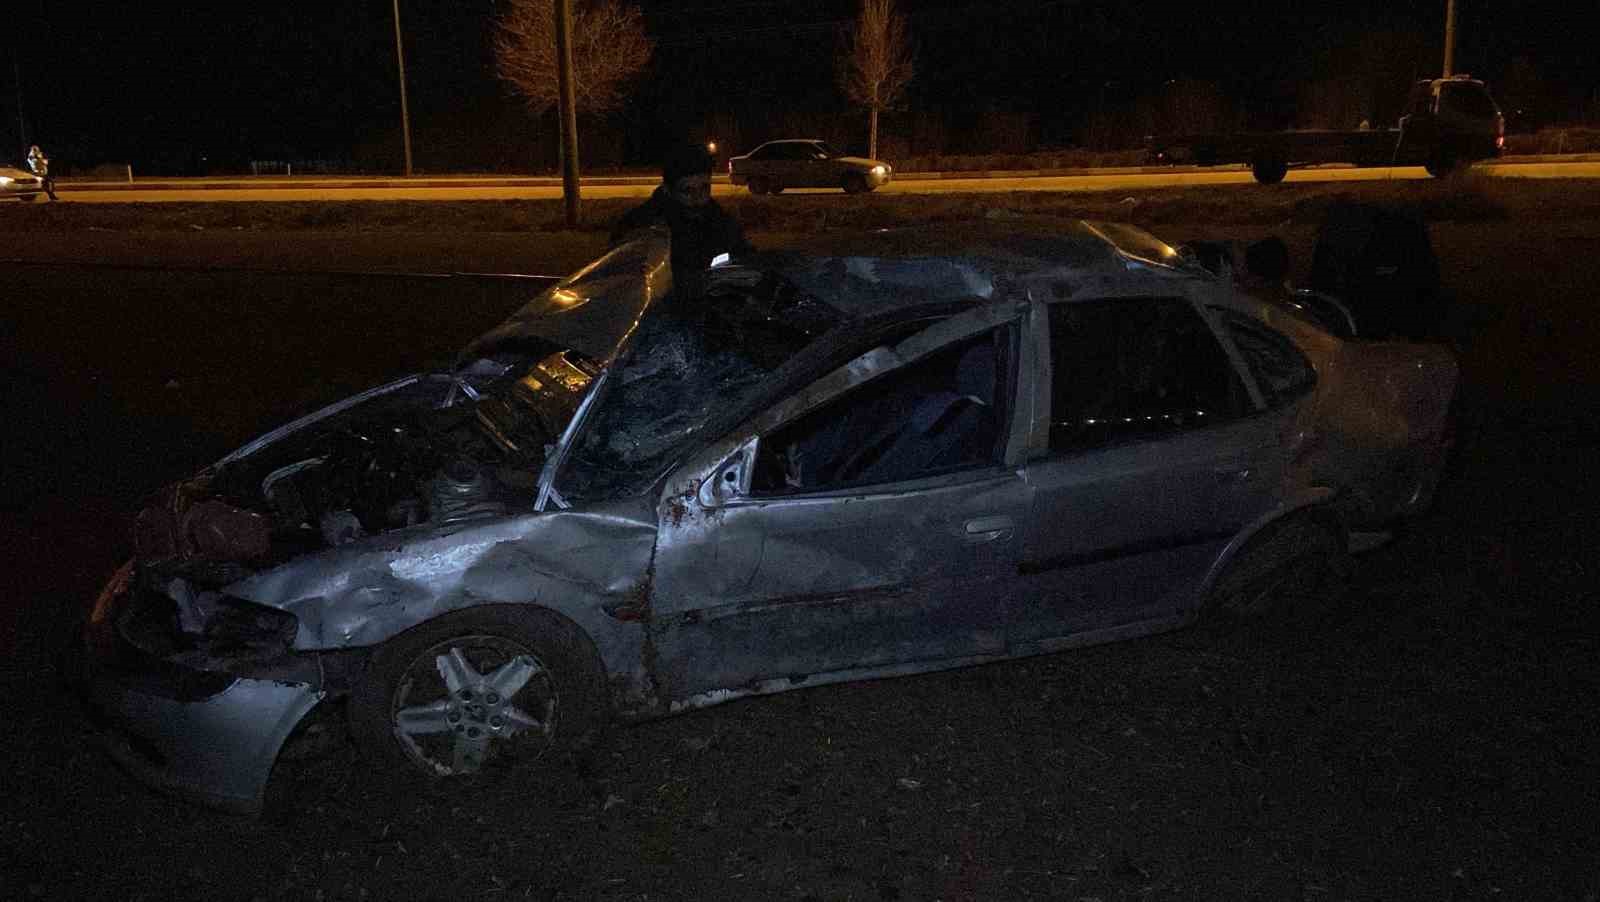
(27, 198)
(1300, 560)
(855, 183)
(480, 693)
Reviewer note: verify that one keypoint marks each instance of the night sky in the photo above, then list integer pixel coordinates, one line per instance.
(182, 87)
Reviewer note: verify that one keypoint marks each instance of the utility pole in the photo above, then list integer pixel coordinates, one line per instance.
(405, 112)
(569, 112)
(22, 124)
(1449, 38)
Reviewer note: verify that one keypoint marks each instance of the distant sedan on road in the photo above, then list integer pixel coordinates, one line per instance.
(19, 184)
(794, 163)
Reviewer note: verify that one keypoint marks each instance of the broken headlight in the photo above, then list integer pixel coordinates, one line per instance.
(243, 629)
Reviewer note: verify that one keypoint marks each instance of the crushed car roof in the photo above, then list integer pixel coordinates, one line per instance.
(857, 273)
(861, 273)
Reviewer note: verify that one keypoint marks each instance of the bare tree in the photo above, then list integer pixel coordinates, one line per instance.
(876, 64)
(609, 48)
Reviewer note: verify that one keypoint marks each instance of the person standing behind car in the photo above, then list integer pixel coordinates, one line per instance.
(700, 228)
(39, 165)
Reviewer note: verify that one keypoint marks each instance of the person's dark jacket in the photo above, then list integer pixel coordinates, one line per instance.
(698, 235)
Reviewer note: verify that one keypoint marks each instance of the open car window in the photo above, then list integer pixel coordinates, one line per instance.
(943, 412)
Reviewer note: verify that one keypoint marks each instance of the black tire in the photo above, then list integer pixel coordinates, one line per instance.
(1297, 562)
(1442, 163)
(855, 183)
(757, 185)
(559, 707)
(27, 198)
(1269, 168)
(774, 187)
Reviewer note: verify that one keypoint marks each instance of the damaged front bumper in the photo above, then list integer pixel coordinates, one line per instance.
(218, 751)
(208, 736)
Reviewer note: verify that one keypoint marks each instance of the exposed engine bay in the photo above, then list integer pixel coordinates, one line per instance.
(423, 450)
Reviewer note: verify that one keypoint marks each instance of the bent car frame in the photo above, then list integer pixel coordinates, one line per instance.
(861, 456)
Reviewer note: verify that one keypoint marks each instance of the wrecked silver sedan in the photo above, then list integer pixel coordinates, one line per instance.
(864, 456)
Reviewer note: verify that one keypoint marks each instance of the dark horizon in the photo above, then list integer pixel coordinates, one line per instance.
(170, 88)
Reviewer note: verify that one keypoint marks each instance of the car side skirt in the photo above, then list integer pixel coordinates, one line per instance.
(1029, 649)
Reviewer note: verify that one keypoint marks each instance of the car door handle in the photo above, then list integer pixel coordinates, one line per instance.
(983, 526)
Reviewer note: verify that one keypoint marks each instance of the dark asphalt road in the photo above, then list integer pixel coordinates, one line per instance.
(1433, 737)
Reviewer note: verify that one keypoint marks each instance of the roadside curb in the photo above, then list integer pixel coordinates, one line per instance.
(353, 183)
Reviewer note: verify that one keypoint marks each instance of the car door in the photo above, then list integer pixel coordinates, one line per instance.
(792, 171)
(758, 162)
(868, 522)
(1159, 451)
(826, 171)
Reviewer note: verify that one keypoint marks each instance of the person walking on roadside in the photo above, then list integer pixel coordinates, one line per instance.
(39, 165)
(700, 228)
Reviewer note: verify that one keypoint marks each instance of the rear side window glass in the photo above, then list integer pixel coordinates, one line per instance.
(1280, 370)
(1136, 369)
(1466, 99)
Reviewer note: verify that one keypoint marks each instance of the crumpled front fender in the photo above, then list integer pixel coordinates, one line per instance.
(573, 562)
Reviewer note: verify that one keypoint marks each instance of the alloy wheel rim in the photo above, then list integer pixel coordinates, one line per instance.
(474, 702)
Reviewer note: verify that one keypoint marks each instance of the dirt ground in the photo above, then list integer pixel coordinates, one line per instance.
(1431, 735)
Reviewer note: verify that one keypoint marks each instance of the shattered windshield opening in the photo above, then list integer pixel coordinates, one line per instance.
(685, 371)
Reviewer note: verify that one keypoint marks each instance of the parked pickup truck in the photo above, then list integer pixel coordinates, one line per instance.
(1448, 122)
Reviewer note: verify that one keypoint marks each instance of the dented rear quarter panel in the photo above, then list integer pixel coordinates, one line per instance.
(1378, 424)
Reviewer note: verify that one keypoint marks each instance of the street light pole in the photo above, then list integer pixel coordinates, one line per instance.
(1449, 38)
(569, 112)
(22, 123)
(405, 112)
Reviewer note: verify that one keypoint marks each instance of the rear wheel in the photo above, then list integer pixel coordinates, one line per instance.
(1269, 167)
(1442, 163)
(758, 185)
(1296, 562)
(479, 693)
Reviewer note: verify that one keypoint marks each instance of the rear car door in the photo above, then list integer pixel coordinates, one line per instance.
(868, 522)
(1159, 451)
(760, 162)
